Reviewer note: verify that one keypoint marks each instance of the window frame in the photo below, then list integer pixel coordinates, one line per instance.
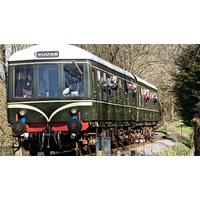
(85, 82)
(14, 84)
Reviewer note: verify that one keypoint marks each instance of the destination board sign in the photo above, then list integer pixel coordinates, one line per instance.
(47, 54)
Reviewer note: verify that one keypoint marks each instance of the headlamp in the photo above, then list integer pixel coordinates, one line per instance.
(22, 113)
(73, 111)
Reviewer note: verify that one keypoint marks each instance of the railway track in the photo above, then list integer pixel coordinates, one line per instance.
(130, 149)
(156, 137)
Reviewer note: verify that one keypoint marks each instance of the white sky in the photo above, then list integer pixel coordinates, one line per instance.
(108, 22)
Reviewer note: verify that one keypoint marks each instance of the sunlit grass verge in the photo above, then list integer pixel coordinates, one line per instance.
(179, 150)
(184, 144)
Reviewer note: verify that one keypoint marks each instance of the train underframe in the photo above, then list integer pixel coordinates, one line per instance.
(85, 142)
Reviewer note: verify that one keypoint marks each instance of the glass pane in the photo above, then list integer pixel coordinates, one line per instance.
(94, 83)
(73, 80)
(24, 81)
(48, 80)
(99, 85)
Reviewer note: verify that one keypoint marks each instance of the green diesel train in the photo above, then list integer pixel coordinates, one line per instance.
(63, 98)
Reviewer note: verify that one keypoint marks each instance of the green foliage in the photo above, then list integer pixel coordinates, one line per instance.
(187, 83)
(181, 150)
(174, 128)
(185, 141)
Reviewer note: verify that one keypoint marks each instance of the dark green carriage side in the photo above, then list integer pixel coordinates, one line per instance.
(116, 106)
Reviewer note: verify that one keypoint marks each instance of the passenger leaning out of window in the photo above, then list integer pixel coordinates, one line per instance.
(75, 88)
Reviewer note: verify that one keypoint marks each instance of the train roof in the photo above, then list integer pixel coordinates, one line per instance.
(63, 52)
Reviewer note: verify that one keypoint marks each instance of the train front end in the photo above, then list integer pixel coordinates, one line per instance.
(48, 100)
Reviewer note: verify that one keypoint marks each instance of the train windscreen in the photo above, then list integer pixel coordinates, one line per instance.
(48, 80)
(42, 80)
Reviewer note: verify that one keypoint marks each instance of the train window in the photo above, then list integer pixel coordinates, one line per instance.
(117, 100)
(109, 85)
(73, 80)
(114, 85)
(134, 94)
(99, 85)
(138, 96)
(132, 89)
(155, 98)
(112, 82)
(126, 92)
(104, 87)
(48, 80)
(126, 87)
(145, 98)
(142, 98)
(151, 95)
(104, 77)
(122, 92)
(98, 75)
(24, 81)
(94, 83)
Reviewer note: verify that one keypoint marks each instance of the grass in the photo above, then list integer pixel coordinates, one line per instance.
(175, 129)
(184, 136)
(179, 150)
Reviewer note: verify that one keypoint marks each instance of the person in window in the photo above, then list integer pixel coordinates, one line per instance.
(155, 98)
(74, 88)
(24, 86)
(112, 82)
(73, 80)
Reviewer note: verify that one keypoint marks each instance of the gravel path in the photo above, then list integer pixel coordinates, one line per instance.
(152, 149)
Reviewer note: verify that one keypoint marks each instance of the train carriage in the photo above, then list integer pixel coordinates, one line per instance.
(63, 98)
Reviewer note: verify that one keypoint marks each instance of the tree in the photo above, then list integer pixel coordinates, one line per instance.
(187, 89)
(5, 52)
(2, 61)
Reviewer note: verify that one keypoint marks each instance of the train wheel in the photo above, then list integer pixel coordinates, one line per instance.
(33, 152)
(34, 144)
(47, 152)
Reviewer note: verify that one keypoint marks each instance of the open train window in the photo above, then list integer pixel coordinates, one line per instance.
(132, 90)
(104, 86)
(155, 99)
(48, 80)
(23, 87)
(95, 82)
(134, 94)
(122, 92)
(145, 98)
(98, 76)
(142, 97)
(99, 85)
(73, 80)
(112, 84)
(118, 100)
